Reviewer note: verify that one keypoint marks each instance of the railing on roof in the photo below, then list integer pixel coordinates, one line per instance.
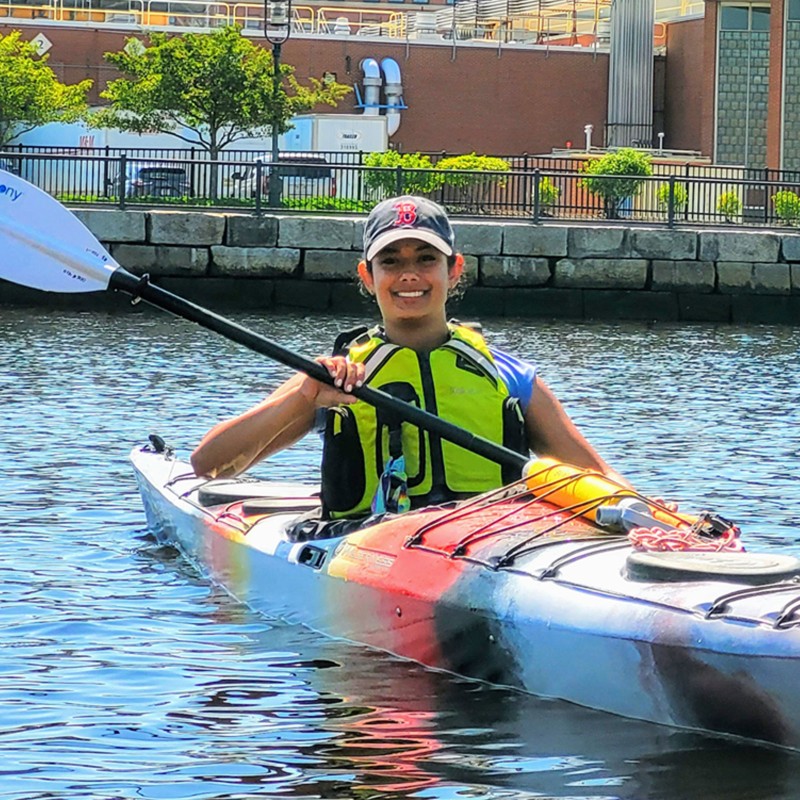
(667, 10)
(568, 22)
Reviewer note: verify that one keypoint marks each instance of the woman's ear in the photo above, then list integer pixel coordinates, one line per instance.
(456, 270)
(366, 276)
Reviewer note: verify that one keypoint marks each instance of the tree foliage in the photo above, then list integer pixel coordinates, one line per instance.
(209, 89)
(616, 176)
(30, 93)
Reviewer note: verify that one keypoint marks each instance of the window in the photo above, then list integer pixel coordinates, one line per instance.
(760, 19)
(734, 18)
(743, 72)
(747, 17)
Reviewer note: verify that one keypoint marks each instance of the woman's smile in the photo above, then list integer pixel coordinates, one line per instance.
(410, 280)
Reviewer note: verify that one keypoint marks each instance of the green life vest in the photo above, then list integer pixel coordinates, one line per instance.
(459, 382)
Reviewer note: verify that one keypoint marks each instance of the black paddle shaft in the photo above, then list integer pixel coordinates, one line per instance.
(124, 281)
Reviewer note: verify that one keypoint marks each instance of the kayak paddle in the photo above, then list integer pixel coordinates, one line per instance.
(45, 246)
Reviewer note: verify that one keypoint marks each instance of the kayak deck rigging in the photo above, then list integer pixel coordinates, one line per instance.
(500, 529)
(496, 526)
(720, 607)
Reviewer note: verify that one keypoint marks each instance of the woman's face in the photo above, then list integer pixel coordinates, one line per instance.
(410, 280)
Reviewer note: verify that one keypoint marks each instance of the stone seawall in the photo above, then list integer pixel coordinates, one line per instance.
(603, 271)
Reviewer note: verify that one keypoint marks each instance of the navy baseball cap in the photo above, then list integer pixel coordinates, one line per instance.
(407, 217)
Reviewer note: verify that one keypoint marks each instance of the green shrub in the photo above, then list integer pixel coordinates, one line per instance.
(729, 205)
(787, 206)
(473, 164)
(469, 182)
(418, 176)
(680, 197)
(548, 192)
(616, 176)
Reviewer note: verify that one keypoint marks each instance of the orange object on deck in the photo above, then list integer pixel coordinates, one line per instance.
(583, 491)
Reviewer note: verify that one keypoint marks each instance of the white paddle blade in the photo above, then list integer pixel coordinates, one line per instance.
(45, 246)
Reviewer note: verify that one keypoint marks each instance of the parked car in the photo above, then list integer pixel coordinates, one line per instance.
(302, 176)
(155, 180)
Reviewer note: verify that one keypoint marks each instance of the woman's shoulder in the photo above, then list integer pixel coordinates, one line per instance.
(517, 374)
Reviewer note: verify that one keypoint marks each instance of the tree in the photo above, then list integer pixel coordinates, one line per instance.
(30, 93)
(219, 86)
(614, 177)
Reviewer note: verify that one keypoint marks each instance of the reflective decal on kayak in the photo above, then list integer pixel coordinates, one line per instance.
(349, 556)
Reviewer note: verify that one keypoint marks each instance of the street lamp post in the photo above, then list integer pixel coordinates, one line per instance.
(277, 28)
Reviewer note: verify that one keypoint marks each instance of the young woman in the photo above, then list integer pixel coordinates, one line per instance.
(410, 266)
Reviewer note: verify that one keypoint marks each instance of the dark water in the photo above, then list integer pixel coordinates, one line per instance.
(123, 674)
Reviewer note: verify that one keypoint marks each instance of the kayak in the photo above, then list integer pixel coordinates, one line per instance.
(521, 588)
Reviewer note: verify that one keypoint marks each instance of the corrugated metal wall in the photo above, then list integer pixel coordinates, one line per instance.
(630, 74)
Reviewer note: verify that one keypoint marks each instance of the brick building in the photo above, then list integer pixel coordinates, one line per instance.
(751, 94)
(503, 76)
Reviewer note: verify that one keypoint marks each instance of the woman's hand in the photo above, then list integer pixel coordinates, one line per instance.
(346, 374)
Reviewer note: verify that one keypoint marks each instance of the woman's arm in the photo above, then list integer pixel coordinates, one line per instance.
(235, 445)
(553, 434)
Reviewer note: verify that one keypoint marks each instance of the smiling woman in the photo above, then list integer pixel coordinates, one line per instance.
(373, 461)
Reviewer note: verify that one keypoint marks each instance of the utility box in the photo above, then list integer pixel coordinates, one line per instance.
(337, 133)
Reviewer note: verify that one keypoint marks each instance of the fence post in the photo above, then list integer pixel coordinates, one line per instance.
(536, 207)
(259, 178)
(192, 174)
(671, 203)
(123, 169)
(687, 172)
(106, 179)
(357, 179)
(398, 181)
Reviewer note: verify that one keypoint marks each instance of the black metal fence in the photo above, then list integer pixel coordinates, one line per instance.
(534, 188)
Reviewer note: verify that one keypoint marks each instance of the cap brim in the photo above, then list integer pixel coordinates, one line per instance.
(397, 234)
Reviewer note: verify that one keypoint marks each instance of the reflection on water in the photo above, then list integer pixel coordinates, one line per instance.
(123, 674)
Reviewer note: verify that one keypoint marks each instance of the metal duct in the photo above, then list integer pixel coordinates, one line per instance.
(393, 90)
(630, 74)
(372, 86)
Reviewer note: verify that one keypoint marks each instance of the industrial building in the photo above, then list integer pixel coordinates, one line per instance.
(715, 79)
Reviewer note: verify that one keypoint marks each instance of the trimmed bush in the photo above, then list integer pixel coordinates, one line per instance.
(548, 191)
(680, 197)
(475, 164)
(414, 178)
(729, 205)
(472, 191)
(787, 206)
(614, 177)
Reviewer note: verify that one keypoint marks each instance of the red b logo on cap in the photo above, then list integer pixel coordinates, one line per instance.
(406, 213)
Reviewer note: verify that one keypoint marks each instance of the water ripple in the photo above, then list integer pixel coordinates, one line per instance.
(125, 675)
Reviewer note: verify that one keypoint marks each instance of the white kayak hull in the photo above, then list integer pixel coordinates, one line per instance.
(564, 620)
